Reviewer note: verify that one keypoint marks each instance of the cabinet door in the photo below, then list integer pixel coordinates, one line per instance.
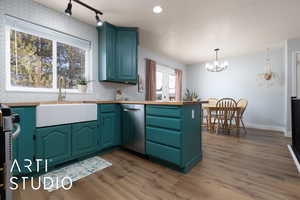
(111, 52)
(108, 123)
(54, 144)
(84, 138)
(23, 145)
(107, 35)
(127, 56)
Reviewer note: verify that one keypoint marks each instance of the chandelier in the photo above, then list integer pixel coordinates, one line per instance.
(216, 66)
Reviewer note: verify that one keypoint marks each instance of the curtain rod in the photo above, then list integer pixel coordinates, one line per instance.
(30, 22)
(161, 63)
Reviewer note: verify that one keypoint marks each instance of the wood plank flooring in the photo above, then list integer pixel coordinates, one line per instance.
(252, 167)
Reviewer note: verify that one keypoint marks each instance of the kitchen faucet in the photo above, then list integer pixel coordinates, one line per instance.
(61, 83)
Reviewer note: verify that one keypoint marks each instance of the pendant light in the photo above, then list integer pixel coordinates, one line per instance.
(216, 66)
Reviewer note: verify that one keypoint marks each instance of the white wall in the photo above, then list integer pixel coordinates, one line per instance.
(39, 14)
(266, 105)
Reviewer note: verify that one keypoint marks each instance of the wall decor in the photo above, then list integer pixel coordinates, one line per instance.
(269, 78)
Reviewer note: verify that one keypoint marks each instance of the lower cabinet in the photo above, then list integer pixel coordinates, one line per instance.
(65, 142)
(53, 144)
(107, 129)
(84, 138)
(62, 143)
(109, 120)
(174, 134)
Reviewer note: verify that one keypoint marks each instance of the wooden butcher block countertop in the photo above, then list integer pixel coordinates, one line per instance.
(178, 103)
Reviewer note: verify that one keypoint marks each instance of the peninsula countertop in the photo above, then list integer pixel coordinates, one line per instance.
(175, 103)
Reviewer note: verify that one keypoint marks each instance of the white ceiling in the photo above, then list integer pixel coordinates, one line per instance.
(189, 30)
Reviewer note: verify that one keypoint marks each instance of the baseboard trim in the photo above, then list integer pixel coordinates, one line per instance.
(266, 127)
(294, 157)
(288, 134)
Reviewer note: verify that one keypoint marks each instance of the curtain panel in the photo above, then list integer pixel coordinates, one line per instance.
(178, 88)
(150, 80)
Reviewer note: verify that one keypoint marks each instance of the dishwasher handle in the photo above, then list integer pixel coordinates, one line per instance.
(131, 109)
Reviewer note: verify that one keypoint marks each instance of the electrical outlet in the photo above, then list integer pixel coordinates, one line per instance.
(193, 114)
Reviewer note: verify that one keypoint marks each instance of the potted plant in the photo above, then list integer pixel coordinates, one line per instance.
(82, 85)
(191, 95)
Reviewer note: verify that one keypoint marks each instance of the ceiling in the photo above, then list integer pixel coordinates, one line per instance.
(189, 30)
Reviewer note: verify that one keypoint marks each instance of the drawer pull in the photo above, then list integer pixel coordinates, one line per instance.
(1, 185)
(1, 169)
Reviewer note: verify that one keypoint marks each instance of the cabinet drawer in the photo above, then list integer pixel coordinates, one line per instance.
(107, 108)
(163, 122)
(162, 152)
(164, 111)
(164, 136)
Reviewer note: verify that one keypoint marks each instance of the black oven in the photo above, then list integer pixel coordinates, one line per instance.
(296, 127)
(9, 130)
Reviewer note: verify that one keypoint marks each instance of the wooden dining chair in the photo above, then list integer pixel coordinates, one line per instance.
(211, 101)
(225, 114)
(243, 103)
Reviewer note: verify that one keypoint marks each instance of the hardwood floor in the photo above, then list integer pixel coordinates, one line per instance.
(255, 166)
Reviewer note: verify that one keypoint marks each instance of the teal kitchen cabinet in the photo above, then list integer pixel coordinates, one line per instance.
(107, 48)
(109, 121)
(84, 138)
(127, 55)
(54, 144)
(118, 49)
(173, 134)
(23, 145)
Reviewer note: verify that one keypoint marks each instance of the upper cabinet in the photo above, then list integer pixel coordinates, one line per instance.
(118, 49)
(107, 52)
(127, 55)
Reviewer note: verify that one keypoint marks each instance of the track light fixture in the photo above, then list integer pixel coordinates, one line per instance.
(68, 10)
(99, 21)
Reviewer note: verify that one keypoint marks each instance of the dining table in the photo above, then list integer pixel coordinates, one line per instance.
(212, 108)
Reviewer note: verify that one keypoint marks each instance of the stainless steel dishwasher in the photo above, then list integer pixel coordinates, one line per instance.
(133, 127)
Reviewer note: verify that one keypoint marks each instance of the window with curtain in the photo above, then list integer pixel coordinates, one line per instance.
(165, 83)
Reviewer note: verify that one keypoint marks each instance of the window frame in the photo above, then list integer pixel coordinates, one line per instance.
(166, 72)
(54, 89)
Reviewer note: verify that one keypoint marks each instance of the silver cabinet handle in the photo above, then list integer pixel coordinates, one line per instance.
(130, 109)
(17, 131)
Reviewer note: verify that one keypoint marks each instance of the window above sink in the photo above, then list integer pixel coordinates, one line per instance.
(38, 56)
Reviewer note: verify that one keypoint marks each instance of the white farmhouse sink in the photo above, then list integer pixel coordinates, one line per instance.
(56, 114)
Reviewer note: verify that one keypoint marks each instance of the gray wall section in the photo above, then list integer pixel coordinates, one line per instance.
(39, 14)
(266, 105)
